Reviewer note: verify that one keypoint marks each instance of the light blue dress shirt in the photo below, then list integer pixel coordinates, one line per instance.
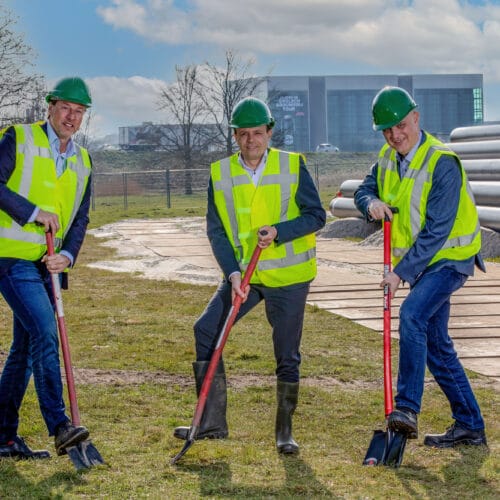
(55, 147)
(404, 161)
(254, 174)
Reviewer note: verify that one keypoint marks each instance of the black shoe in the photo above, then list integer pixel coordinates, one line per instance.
(454, 436)
(68, 434)
(404, 420)
(17, 448)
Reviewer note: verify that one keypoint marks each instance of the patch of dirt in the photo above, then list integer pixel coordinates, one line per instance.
(130, 377)
(120, 378)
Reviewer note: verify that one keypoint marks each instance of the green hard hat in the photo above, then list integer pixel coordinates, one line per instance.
(390, 106)
(251, 112)
(72, 89)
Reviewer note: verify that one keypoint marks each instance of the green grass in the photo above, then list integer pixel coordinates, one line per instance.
(112, 208)
(134, 339)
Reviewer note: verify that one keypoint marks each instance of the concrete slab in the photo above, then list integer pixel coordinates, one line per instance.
(347, 283)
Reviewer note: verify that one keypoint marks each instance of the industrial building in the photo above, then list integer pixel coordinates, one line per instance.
(151, 136)
(311, 110)
(336, 110)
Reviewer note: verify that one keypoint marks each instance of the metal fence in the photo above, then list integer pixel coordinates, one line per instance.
(150, 186)
(163, 187)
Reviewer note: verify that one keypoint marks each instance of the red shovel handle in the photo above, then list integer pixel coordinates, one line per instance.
(238, 300)
(387, 317)
(63, 335)
(214, 360)
(387, 321)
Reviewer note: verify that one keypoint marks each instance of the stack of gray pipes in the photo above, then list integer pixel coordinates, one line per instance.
(479, 150)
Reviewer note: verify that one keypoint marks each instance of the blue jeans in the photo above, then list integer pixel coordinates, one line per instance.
(423, 332)
(284, 311)
(34, 349)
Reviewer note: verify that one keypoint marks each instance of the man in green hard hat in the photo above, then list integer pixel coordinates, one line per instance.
(436, 242)
(44, 186)
(266, 197)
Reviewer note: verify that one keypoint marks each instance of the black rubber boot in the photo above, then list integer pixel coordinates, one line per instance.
(213, 423)
(288, 394)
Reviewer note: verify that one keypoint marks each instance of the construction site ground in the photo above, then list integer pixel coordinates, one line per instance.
(347, 283)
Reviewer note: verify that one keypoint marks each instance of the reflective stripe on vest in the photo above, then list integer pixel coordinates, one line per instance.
(410, 194)
(235, 195)
(34, 178)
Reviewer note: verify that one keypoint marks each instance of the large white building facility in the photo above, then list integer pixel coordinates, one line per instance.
(313, 110)
(310, 110)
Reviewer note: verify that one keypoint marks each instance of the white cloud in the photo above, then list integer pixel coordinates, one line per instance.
(384, 36)
(123, 102)
(158, 20)
(388, 35)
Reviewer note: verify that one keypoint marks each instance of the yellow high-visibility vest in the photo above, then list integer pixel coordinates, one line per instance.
(410, 195)
(244, 208)
(34, 177)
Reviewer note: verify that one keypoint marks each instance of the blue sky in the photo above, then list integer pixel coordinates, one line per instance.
(127, 49)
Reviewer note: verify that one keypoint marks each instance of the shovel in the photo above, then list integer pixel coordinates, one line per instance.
(386, 447)
(84, 454)
(214, 360)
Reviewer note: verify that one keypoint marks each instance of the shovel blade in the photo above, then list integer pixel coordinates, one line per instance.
(84, 455)
(395, 447)
(386, 448)
(376, 450)
(189, 442)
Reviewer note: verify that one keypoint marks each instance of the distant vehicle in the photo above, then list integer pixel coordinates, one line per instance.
(110, 147)
(326, 148)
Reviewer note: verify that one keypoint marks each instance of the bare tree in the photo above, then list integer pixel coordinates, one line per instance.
(187, 115)
(224, 88)
(19, 89)
(35, 107)
(82, 137)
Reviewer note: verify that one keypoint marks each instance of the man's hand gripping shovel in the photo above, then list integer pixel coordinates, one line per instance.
(386, 447)
(214, 360)
(84, 454)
